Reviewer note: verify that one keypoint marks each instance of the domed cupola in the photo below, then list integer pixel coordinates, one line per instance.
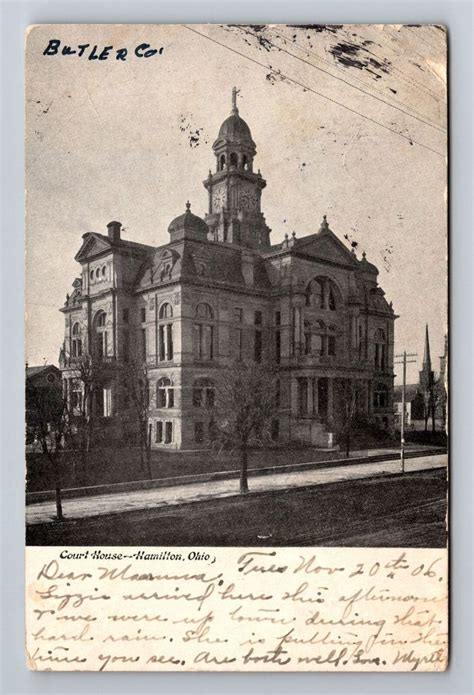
(188, 226)
(234, 147)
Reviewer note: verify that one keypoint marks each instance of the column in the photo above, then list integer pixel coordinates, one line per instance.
(310, 396)
(294, 396)
(330, 398)
(315, 396)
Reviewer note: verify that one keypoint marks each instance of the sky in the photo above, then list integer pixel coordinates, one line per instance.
(349, 121)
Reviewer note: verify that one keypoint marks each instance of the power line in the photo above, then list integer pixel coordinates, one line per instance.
(418, 117)
(359, 89)
(310, 89)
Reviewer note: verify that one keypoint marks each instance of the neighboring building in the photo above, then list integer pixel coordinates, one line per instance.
(40, 381)
(428, 395)
(218, 291)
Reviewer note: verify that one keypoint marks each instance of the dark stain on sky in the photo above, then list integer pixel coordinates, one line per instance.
(357, 55)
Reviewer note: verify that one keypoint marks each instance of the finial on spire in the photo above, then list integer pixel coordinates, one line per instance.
(235, 110)
(324, 224)
(363, 255)
(188, 206)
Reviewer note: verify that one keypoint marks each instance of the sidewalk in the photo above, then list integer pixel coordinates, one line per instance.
(81, 507)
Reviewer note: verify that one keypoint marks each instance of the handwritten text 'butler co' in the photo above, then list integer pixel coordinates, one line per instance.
(143, 50)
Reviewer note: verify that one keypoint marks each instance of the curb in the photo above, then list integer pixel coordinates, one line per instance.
(113, 488)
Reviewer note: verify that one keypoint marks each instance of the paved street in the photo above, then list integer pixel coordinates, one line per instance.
(159, 498)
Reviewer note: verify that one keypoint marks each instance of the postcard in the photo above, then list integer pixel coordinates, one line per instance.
(236, 348)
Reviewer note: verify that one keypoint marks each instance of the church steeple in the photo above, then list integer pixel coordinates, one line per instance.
(426, 374)
(426, 354)
(234, 213)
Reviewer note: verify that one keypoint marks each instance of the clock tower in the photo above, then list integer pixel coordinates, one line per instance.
(234, 214)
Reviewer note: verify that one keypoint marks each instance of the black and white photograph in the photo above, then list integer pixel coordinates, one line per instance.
(236, 294)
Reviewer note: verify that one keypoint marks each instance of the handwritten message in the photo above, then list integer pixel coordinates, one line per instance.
(285, 609)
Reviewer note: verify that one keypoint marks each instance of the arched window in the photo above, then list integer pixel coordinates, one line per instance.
(245, 162)
(233, 159)
(97, 273)
(380, 351)
(104, 271)
(203, 393)
(76, 347)
(203, 332)
(165, 333)
(101, 337)
(204, 311)
(222, 162)
(322, 293)
(100, 319)
(380, 396)
(166, 311)
(165, 393)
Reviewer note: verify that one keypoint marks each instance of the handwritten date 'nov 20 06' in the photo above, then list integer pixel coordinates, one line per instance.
(362, 609)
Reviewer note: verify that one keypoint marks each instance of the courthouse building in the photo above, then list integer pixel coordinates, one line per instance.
(219, 291)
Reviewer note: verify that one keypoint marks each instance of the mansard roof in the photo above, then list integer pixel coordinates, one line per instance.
(205, 262)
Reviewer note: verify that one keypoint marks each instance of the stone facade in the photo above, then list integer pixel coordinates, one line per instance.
(219, 291)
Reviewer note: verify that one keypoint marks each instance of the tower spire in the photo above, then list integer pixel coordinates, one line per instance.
(235, 110)
(426, 355)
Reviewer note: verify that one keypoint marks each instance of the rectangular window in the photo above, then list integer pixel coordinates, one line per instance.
(278, 346)
(275, 430)
(277, 318)
(125, 315)
(303, 396)
(197, 397)
(199, 432)
(258, 346)
(238, 314)
(159, 432)
(161, 398)
(331, 345)
(169, 341)
(161, 343)
(170, 398)
(107, 401)
(258, 318)
(144, 344)
(209, 398)
(143, 314)
(238, 344)
(126, 344)
(168, 432)
(376, 354)
(203, 342)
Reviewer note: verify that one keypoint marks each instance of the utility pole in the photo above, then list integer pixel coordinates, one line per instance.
(404, 362)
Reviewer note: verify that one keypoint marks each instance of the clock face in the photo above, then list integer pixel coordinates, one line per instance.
(248, 199)
(219, 198)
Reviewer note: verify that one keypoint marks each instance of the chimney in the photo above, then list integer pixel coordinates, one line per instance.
(113, 229)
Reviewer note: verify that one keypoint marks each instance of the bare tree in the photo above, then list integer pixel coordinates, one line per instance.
(350, 393)
(245, 405)
(135, 382)
(49, 422)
